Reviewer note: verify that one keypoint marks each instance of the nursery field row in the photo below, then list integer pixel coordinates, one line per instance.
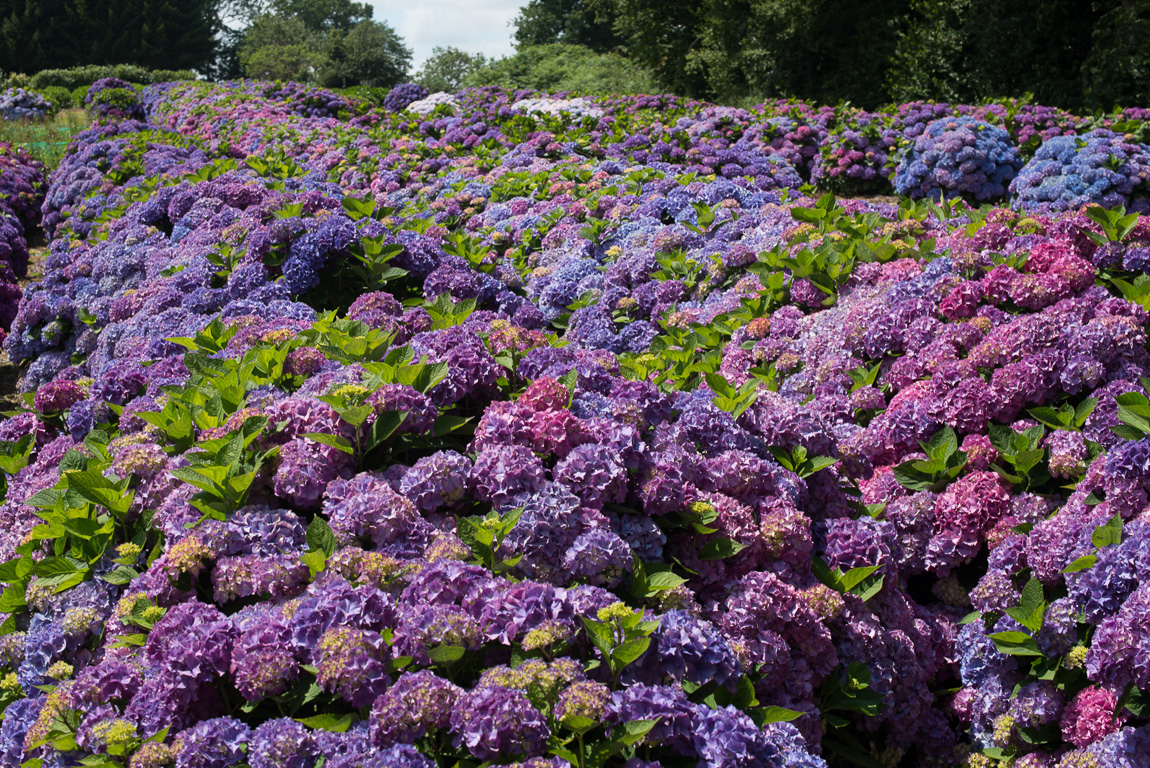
(507, 428)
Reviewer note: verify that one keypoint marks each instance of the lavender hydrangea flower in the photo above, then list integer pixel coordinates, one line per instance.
(489, 722)
(281, 743)
(417, 704)
(215, 743)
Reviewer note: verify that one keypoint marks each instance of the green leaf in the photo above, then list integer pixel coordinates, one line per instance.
(1081, 564)
(1027, 460)
(334, 441)
(329, 722)
(320, 537)
(772, 714)
(630, 650)
(1031, 606)
(1083, 411)
(854, 577)
(664, 580)
(121, 575)
(446, 654)
(1108, 534)
(635, 730)
(1015, 644)
(869, 589)
(720, 548)
(600, 635)
(315, 561)
(942, 444)
(55, 566)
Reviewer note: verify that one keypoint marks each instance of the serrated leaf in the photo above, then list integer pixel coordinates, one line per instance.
(773, 714)
(1015, 643)
(1109, 534)
(854, 577)
(942, 444)
(720, 548)
(121, 575)
(328, 722)
(630, 650)
(635, 730)
(663, 580)
(446, 654)
(338, 442)
(315, 561)
(320, 537)
(1081, 564)
(1031, 606)
(866, 591)
(911, 478)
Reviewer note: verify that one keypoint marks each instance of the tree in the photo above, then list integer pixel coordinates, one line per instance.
(1117, 71)
(661, 35)
(823, 50)
(49, 34)
(292, 61)
(281, 48)
(323, 15)
(371, 53)
(998, 48)
(559, 67)
(589, 23)
(446, 68)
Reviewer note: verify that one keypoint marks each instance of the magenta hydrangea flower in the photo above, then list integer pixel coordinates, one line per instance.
(1090, 716)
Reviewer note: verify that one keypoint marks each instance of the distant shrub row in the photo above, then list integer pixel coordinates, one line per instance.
(76, 77)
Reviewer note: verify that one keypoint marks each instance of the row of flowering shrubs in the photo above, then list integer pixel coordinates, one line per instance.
(492, 436)
(22, 187)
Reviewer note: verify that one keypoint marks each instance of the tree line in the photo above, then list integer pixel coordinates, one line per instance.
(1075, 54)
(336, 43)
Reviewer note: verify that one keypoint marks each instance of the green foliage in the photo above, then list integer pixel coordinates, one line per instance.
(60, 98)
(281, 48)
(370, 53)
(82, 77)
(54, 34)
(447, 68)
(298, 42)
(1021, 460)
(944, 463)
(484, 536)
(560, 67)
(588, 23)
(824, 50)
(972, 50)
(1117, 69)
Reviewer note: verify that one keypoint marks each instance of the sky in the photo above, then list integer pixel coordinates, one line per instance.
(475, 26)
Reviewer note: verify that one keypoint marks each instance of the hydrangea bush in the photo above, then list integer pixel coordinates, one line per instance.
(22, 187)
(110, 97)
(400, 96)
(958, 157)
(1099, 167)
(21, 104)
(499, 439)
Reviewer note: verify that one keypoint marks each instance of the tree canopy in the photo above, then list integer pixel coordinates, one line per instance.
(335, 43)
(447, 68)
(54, 34)
(1067, 53)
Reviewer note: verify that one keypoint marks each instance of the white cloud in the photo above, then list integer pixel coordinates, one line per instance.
(475, 26)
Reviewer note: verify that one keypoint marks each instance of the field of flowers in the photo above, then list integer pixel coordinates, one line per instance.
(513, 429)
